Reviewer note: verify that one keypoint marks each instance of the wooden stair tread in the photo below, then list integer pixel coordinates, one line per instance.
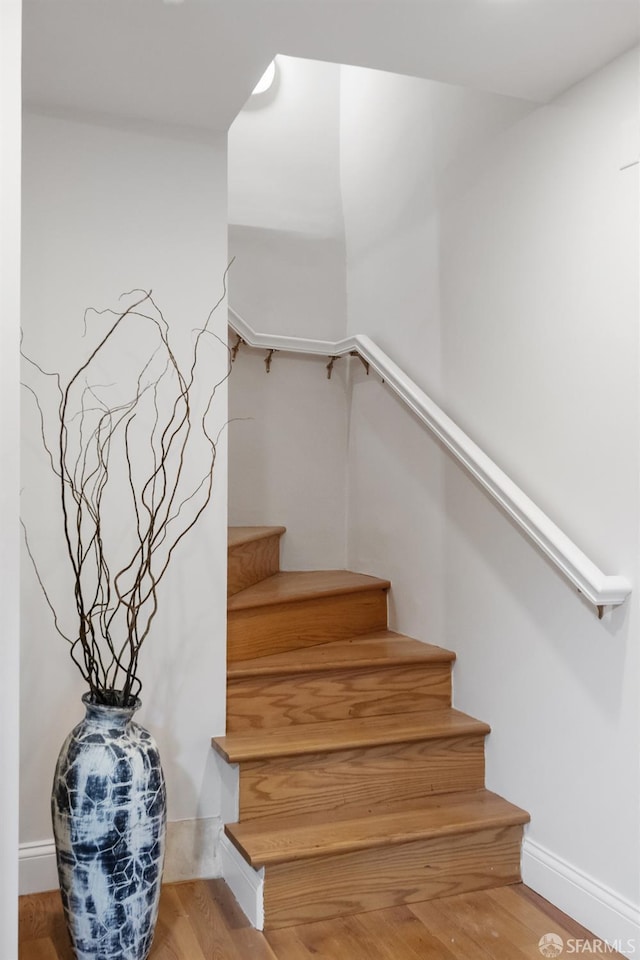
(289, 587)
(381, 648)
(354, 733)
(359, 786)
(265, 842)
(239, 535)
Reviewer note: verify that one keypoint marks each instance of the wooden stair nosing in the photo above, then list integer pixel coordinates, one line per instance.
(379, 649)
(288, 587)
(238, 535)
(355, 733)
(266, 842)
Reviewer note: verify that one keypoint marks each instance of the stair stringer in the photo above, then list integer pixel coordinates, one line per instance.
(245, 883)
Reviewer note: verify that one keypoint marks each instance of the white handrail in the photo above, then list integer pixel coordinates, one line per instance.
(601, 589)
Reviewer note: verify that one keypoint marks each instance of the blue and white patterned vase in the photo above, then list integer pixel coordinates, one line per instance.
(108, 808)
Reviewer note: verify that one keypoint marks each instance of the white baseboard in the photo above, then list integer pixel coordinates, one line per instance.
(192, 852)
(37, 866)
(598, 908)
(245, 883)
(199, 848)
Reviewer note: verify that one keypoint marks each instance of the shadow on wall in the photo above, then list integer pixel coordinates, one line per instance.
(288, 283)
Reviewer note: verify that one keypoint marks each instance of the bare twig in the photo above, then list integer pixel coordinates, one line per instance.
(133, 451)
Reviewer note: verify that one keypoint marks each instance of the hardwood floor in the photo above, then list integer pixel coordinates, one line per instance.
(200, 920)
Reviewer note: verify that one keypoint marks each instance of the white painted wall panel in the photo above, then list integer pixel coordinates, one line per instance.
(492, 249)
(10, 125)
(104, 211)
(540, 349)
(285, 207)
(287, 454)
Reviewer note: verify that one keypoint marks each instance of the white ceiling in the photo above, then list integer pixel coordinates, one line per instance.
(192, 63)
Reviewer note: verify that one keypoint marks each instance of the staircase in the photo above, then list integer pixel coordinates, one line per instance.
(360, 786)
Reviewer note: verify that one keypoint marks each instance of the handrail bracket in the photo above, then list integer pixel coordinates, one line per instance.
(268, 358)
(365, 363)
(236, 347)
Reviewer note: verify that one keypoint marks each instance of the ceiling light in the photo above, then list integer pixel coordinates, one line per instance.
(265, 80)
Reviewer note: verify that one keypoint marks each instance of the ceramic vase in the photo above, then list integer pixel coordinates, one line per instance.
(109, 821)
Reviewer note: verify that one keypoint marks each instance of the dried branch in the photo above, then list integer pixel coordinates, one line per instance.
(131, 452)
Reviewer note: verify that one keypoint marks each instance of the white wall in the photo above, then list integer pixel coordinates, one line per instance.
(287, 455)
(403, 141)
(501, 272)
(104, 211)
(10, 107)
(553, 391)
(287, 234)
(285, 210)
(491, 250)
(405, 144)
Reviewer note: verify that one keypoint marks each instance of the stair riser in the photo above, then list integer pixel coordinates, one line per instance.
(316, 889)
(248, 563)
(360, 778)
(393, 823)
(259, 631)
(256, 703)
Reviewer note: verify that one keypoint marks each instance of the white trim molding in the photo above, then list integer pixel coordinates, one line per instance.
(192, 852)
(601, 910)
(600, 589)
(38, 871)
(245, 883)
